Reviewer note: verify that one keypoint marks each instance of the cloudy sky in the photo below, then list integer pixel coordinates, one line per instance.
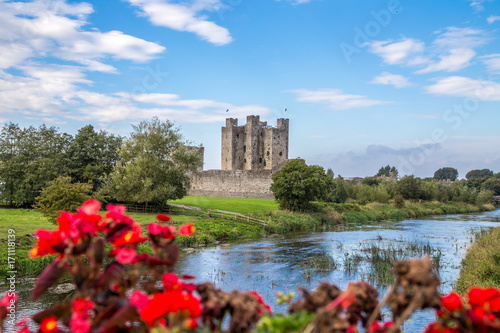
(415, 84)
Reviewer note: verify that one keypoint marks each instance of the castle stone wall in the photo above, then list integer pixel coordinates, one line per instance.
(254, 146)
(228, 183)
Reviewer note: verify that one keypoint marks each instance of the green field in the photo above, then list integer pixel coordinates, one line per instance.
(238, 205)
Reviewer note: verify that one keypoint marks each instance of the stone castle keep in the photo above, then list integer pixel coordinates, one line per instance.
(250, 154)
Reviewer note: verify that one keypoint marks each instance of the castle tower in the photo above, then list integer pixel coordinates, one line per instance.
(254, 146)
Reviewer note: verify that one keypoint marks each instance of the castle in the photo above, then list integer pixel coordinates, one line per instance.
(250, 154)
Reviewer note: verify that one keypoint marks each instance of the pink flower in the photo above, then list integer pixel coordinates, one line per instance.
(125, 256)
(154, 229)
(8, 299)
(90, 207)
(139, 299)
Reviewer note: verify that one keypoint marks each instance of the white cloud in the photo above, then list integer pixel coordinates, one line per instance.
(492, 62)
(477, 5)
(491, 19)
(454, 38)
(465, 87)
(406, 51)
(42, 29)
(454, 61)
(451, 50)
(185, 18)
(334, 99)
(398, 81)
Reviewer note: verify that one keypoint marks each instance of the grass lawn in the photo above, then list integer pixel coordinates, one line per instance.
(22, 221)
(26, 222)
(238, 205)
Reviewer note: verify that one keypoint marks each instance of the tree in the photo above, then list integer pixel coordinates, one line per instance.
(483, 173)
(93, 155)
(409, 187)
(154, 164)
(446, 173)
(30, 158)
(297, 184)
(492, 184)
(387, 171)
(338, 193)
(62, 195)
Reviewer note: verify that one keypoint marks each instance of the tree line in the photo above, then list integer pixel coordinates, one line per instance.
(297, 185)
(148, 166)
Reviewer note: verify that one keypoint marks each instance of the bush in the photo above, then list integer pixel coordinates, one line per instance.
(297, 184)
(62, 195)
(399, 201)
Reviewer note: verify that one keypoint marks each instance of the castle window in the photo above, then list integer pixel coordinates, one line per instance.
(281, 153)
(237, 136)
(264, 163)
(245, 160)
(268, 153)
(244, 149)
(260, 160)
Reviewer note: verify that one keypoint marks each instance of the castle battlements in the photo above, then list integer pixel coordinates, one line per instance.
(255, 145)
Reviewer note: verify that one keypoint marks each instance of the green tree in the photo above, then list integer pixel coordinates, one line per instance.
(492, 184)
(154, 165)
(387, 171)
(297, 184)
(446, 173)
(409, 187)
(483, 173)
(338, 192)
(30, 158)
(371, 181)
(93, 155)
(62, 195)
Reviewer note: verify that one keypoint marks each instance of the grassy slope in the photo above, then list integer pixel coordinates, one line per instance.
(238, 205)
(481, 265)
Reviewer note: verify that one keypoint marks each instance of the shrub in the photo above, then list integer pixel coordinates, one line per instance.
(399, 201)
(62, 195)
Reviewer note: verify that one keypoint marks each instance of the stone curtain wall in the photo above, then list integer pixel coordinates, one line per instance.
(226, 183)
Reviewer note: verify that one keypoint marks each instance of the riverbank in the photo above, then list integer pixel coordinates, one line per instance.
(481, 265)
(210, 230)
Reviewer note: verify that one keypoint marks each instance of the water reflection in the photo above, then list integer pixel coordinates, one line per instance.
(280, 263)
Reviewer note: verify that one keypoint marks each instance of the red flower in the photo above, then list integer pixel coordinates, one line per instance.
(170, 302)
(82, 305)
(80, 318)
(187, 229)
(49, 325)
(189, 324)
(170, 282)
(125, 256)
(132, 237)
(163, 218)
(452, 302)
(479, 297)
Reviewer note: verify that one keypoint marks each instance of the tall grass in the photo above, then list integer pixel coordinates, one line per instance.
(481, 265)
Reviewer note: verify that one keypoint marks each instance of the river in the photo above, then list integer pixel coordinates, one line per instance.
(282, 263)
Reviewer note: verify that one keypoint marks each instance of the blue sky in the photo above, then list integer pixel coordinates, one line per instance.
(366, 83)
